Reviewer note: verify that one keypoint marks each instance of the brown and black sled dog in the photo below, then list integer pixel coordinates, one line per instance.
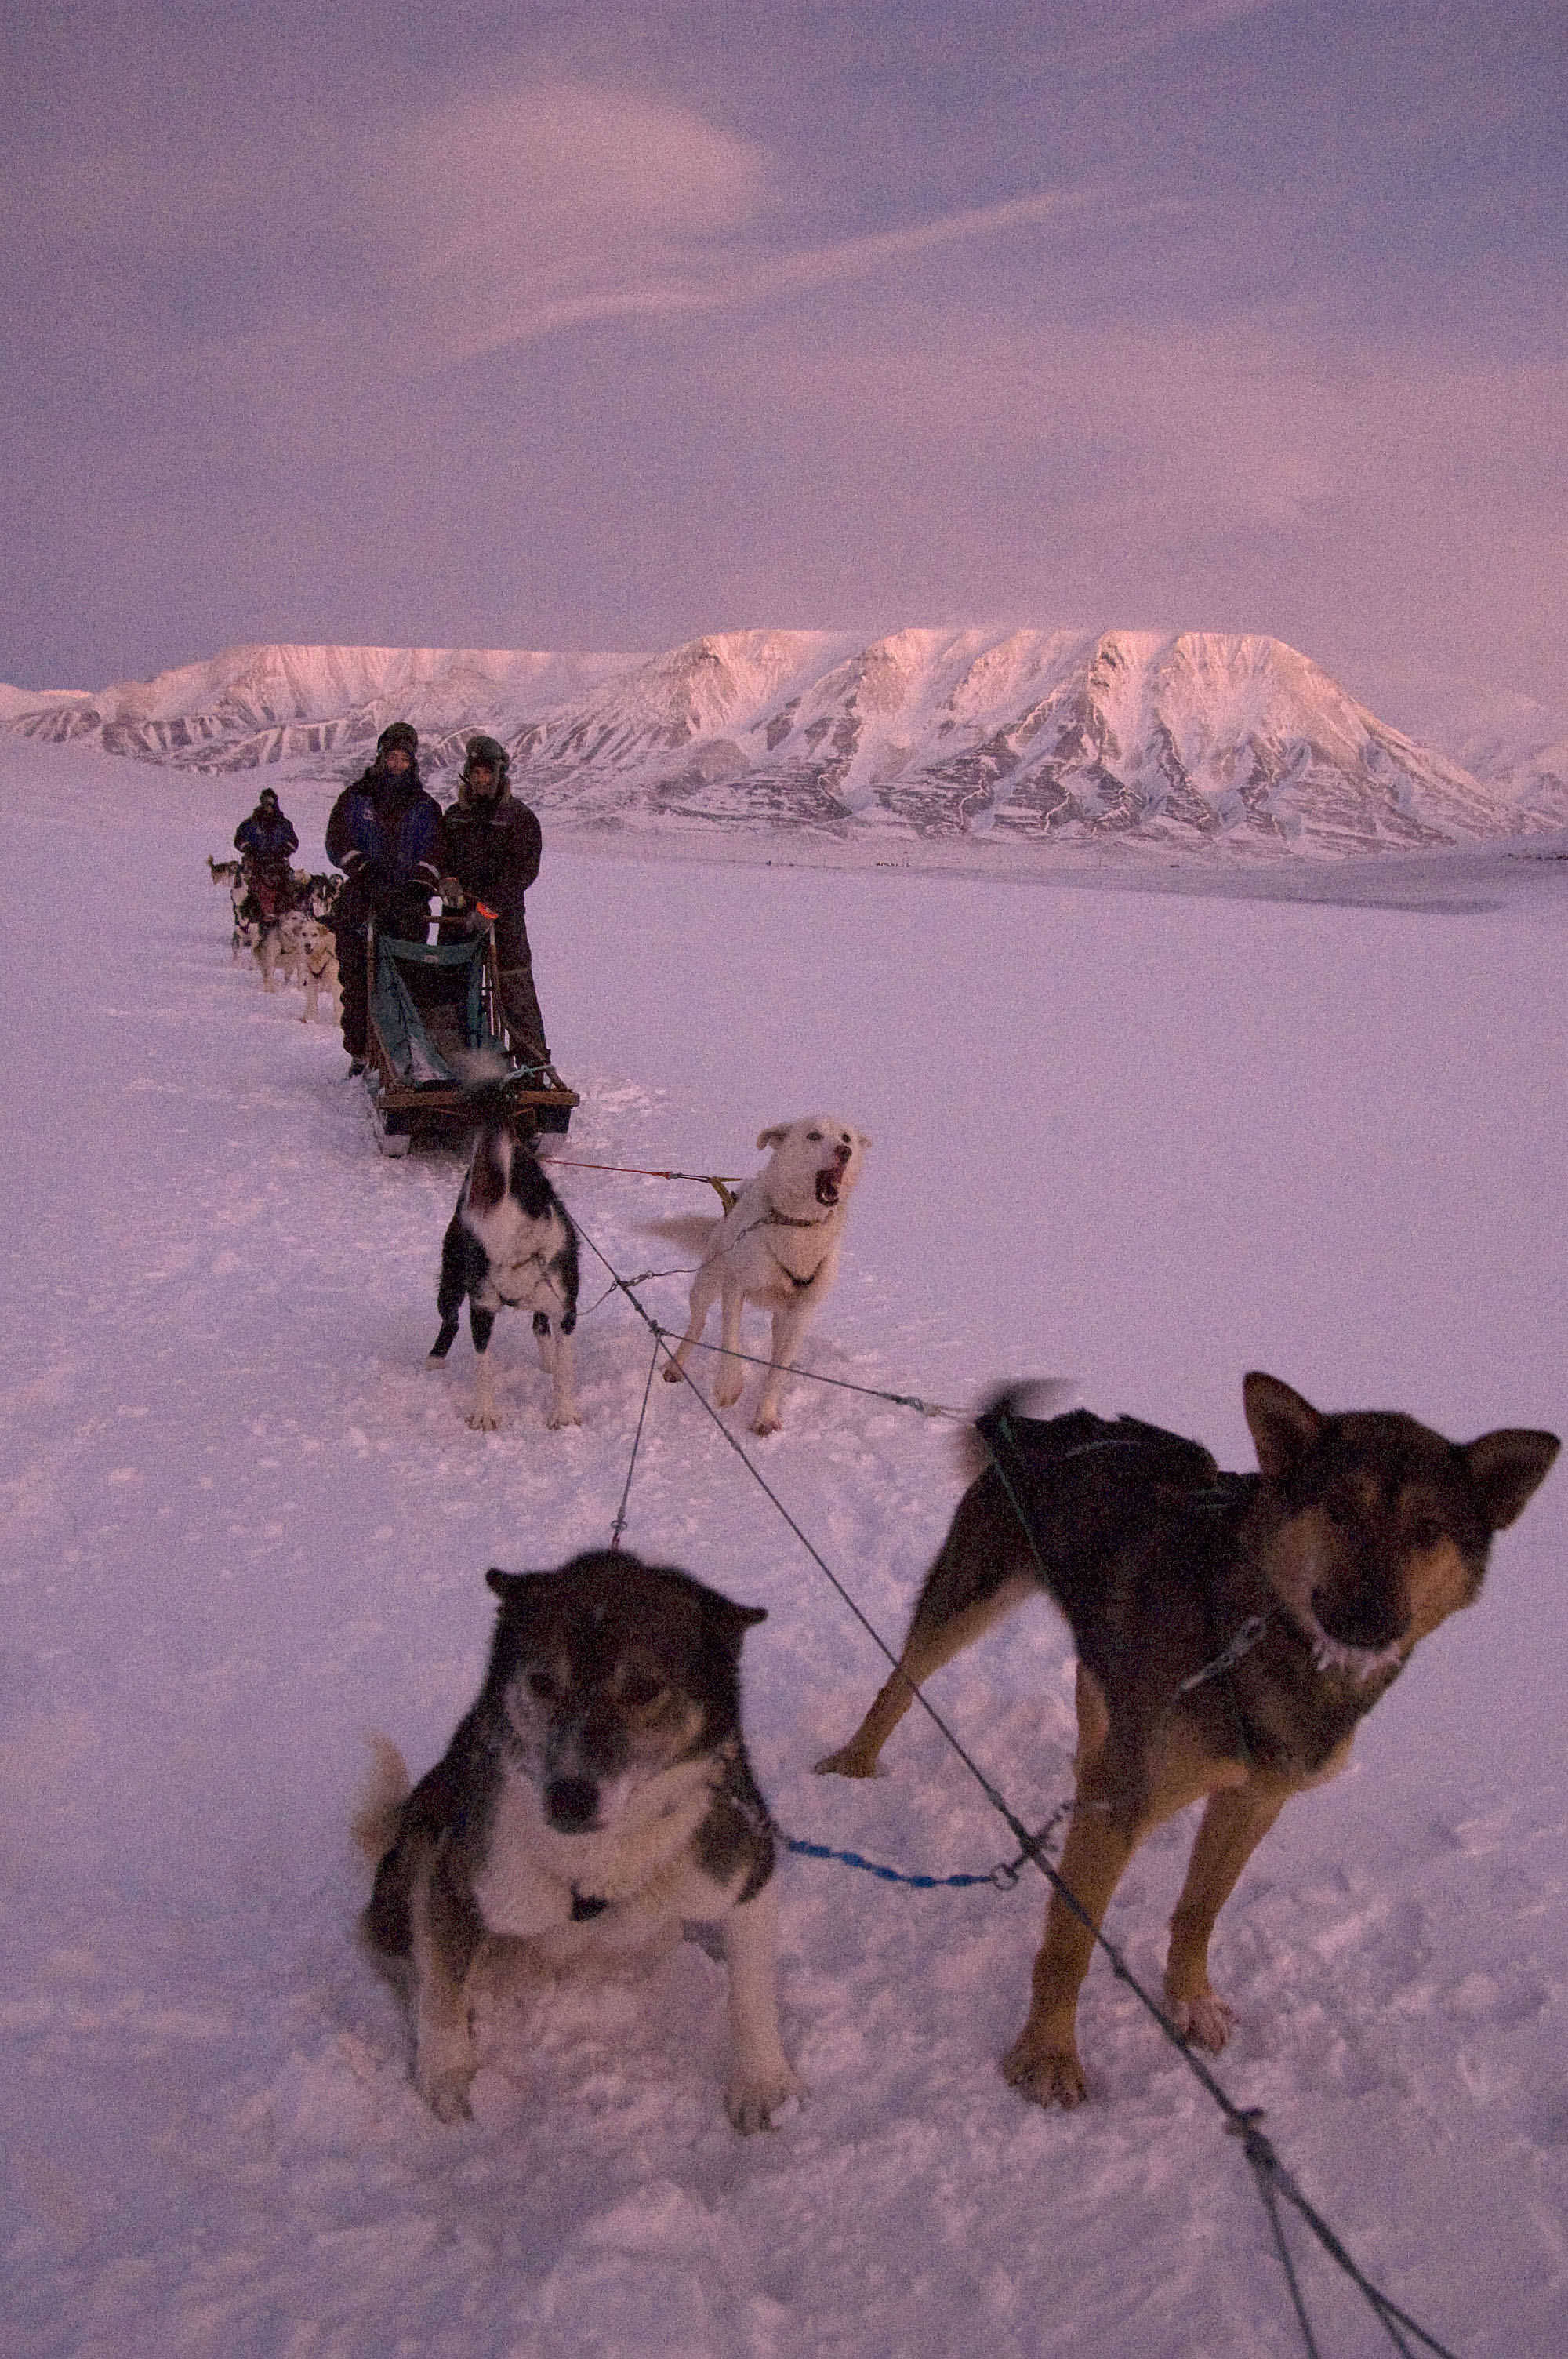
(1313, 1578)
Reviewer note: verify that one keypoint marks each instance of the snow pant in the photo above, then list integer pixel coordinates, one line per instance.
(520, 1007)
(353, 984)
(519, 1001)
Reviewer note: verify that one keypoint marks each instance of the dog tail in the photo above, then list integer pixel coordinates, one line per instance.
(1036, 1396)
(693, 1232)
(382, 1792)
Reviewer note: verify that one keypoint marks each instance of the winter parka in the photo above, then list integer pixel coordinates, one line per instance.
(266, 837)
(383, 834)
(492, 845)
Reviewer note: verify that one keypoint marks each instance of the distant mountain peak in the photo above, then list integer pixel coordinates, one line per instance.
(1191, 738)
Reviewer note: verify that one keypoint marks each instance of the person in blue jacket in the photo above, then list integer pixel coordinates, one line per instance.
(382, 834)
(265, 843)
(266, 838)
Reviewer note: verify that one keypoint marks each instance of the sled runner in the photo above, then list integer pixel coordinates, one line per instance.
(435, 1007)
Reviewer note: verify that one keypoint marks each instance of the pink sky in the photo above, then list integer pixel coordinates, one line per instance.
(602, 326)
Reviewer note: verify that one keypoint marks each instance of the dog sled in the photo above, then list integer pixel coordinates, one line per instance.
(436, 1025)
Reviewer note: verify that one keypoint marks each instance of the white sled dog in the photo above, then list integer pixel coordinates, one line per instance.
(320, 950)
(777, 1247)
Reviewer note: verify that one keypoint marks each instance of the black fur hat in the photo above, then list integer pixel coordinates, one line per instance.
(396, 734)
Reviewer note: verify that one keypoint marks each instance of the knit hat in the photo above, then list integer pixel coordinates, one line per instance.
(493, 757)
(489, 751)
(397, 734)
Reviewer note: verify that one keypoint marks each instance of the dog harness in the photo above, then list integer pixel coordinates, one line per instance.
(513, 1273)
(775, 1220)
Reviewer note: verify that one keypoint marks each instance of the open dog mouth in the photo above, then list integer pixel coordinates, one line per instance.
(1361, 1663)
(827, 1188)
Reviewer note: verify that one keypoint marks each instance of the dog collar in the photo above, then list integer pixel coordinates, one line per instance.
(777, 1220)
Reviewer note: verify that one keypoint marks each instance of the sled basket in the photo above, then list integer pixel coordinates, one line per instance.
(436, 1024)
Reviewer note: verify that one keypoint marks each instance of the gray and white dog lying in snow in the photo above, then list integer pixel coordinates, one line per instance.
(597, 1795)
(777, 1247)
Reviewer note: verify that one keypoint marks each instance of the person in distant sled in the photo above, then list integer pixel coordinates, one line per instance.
(265, 842)
(382, 834)
(490, 852)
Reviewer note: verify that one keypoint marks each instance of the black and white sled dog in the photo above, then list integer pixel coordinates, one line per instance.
(509, 1244)
(595, 1796)
(778, 1246)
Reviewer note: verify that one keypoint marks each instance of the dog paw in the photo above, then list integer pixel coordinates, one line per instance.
(727, 1391)
(446, 2094)
(483, 1420)
(767, 1424)
(752, 2102)
(672, 1374)
(1205, 2021)
(1046, 2076)
(562, 1416)
(850, 1761)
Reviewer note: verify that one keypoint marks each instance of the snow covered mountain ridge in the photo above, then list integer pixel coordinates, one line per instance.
(1189, 739)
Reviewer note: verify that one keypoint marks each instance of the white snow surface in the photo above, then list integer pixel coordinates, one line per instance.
(1146, 1140)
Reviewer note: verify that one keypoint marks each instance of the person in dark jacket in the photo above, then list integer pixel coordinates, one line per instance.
(383, 834)
(265, 843)
(266, 837)
(490, 851)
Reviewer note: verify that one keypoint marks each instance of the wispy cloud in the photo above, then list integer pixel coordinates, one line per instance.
(1143, 30)
(566, 172)
(715, 281)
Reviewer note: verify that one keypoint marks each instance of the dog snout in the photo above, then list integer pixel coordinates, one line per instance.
(1369, 1619)
(572, 1804)
(844, 1152)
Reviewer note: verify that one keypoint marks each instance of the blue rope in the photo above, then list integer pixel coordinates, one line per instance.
(1002, 1879)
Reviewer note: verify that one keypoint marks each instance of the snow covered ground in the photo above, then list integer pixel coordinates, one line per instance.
(1145, 1139)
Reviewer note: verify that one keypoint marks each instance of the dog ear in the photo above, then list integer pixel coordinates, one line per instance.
(774, 1136)
(733, 1620)
(1283, 1426)
(865, 1142)
(512, 1588)
(1507, 1467)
